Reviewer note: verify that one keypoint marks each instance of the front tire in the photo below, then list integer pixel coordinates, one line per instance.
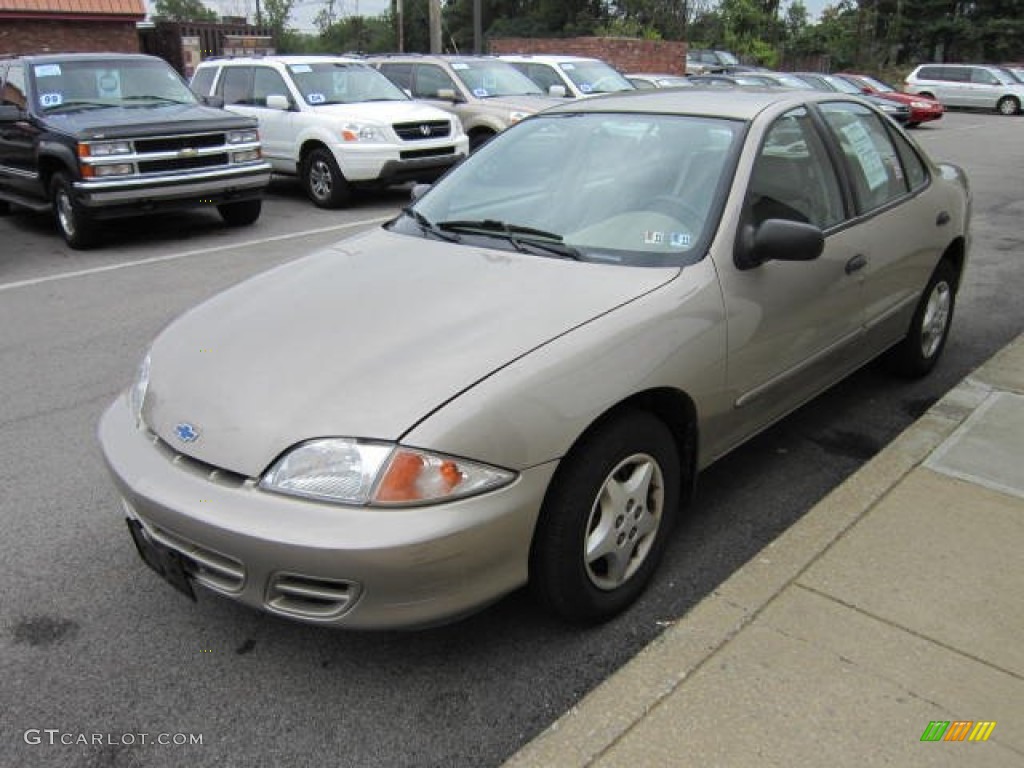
(920, 350)
(606, 519)
(74, 225)
(1008, 105)
(240, 214)
(323, 180)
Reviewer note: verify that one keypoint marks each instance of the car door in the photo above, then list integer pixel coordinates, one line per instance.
(17, 137)
(984, 88)
(792, 325)
(899, 227)
(278, 129)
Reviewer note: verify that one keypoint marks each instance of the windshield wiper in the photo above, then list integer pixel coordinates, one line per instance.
(164, 99)
(427, 227)
(78, 104)
(518, 235)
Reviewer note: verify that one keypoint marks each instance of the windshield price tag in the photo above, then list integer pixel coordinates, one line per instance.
(47, 100)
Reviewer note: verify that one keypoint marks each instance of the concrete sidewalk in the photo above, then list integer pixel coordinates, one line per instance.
(898, 600)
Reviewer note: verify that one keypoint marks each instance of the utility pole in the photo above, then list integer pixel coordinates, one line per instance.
(435, 26)
(401, 28)
(477, 33)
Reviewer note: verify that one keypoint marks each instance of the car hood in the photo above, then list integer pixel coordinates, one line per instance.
(151, 120)
(397, 111)
(364, 339)
(524, 102)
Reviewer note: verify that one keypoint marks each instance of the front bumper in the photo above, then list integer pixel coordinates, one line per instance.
(357, 567)
(114, 197)
(389, 164)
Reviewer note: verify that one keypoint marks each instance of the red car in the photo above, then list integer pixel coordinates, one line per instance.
(922, 109)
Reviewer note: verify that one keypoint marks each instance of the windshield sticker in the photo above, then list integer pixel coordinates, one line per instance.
(481, 93)
(460, 65)
(108, 84)
(300, 69)
(867, 156)
(679, 239)
(586, 87)
(47, 100)
(315, 98)
(654, 238)
(48, 70)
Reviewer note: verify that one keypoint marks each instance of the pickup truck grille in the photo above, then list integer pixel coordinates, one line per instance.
(183, 163)
(178, 143)
(427, 129)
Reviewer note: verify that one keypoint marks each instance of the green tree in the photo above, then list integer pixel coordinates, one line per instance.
(184, 10)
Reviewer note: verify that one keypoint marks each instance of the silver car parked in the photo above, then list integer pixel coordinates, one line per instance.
(518, 378)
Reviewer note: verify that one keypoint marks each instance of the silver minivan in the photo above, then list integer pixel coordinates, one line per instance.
(968, 85)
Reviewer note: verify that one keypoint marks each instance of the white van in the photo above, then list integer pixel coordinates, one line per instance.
(968, 85)
(334, 122)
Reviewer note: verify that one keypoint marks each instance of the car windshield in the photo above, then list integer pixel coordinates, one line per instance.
(63, 86)
(727, 58)
(595, 77)
(842, 85)
(327, 82)
(488, 79)
(878, 85)
(635, 189)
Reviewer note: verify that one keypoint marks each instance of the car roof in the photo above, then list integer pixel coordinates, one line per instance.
(290, 59)
(738, 104)
(54, 57)
(377, 57)
(548, 58)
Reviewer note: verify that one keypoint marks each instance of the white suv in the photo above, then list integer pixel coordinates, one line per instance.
(571, 76)
(334, 122)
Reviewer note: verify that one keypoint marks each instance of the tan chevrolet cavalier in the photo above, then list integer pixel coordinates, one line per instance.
(517, 379)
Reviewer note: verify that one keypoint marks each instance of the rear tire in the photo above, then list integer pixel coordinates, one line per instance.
(74, 225)
(323, 180)
(920, 350)
(606, 519)
(240, 214)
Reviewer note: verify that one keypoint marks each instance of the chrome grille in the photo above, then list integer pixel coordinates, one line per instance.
(427, 129)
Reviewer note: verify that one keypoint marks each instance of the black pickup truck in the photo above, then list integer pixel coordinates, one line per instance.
(102, 136)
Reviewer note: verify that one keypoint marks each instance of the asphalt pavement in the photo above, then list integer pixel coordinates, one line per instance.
(884, 628)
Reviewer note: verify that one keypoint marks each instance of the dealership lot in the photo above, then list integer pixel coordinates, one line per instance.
(93, 643)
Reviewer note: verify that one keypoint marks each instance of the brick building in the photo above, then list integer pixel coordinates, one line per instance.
(626, 54)
(32, 26)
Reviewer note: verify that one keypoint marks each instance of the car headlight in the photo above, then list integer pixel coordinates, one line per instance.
(921, 104)
(515, 117)
(359, 132)
(104, 148)
(349, 471)
(249, 136)
(137, 391)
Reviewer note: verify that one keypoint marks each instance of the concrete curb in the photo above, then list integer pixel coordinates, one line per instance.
(610, 711)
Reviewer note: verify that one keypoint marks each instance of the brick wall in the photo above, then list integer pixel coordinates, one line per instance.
(626, 54)
(65, 36)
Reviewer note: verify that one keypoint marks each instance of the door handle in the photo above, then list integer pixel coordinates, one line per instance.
(856, 263)
(942, 219)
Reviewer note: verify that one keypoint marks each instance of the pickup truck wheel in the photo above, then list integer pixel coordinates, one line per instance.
(75, 227)
(606, 519)
(324, 182)
(240, 214)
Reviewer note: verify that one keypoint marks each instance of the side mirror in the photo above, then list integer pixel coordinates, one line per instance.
(11, 114)
(448, 94)
(213, 101)
(778, 240)
(418, 190)
(278, 102)
(557, 90)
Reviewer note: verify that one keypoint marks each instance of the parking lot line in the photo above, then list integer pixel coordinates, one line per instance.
(188, 254)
